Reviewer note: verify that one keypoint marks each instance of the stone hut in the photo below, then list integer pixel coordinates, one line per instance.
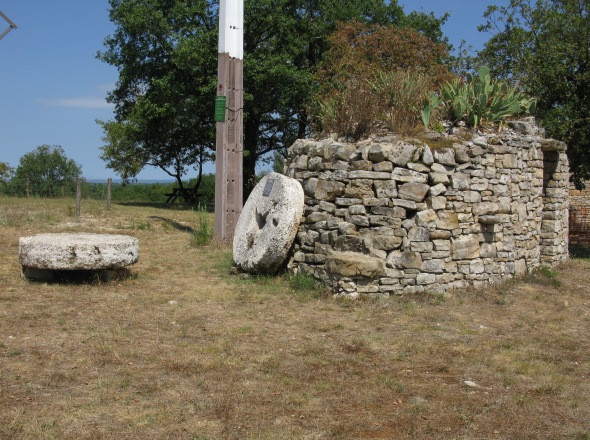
(390, 215)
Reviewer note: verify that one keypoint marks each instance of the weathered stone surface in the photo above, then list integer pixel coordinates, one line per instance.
(413, 191)
(354, 265)
(328, 190)
(402, 153)
(77, 251)
(385, 188)
(445, 156)
(268, 224)
(465, 248)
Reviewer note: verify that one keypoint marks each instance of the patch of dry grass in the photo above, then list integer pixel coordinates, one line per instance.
(183, 350)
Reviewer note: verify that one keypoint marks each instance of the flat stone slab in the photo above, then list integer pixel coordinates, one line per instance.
(66, 251)
(268, 224)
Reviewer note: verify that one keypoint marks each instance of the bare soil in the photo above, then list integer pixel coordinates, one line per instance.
(183, 350)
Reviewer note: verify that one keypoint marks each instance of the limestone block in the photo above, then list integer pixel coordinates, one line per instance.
(357, 210)
(268, 224)
(384, 220)
(81, 251)
(437, 178)
(379, 152)
(352, 243)
(444, 169)
(426, 218)
(460, 181)
(419, 167)
(405, 175)
(445, 156)
(465, 248)
(486, 208)
(328, 190)
(404, 260)
(447, 220)
(425, 278)
(413, 191)
(427, 156)
(361, 174)
(384, 166)
(347, 201)
(395, 212)
(436, 203)
(354, 265)
(346, 228)
(461, 155)
(309, 186)
(433, 266)
(437, 190)
(418, 233)
(364, 165)
(402, 153)
(359, 189)
(315, 164)
(407, 204)
(385, 188)
(344, 152)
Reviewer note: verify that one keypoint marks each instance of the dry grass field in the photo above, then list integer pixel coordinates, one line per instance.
(183, 350)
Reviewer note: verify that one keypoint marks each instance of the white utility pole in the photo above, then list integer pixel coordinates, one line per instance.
(229, 116)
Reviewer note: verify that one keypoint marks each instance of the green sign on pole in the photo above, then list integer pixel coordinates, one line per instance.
(220, 102)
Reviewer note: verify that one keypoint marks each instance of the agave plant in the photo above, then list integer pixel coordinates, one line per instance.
(478, 100)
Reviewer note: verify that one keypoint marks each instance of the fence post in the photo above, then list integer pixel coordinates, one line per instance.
(109, 192)
(27, 187)
(78, 195)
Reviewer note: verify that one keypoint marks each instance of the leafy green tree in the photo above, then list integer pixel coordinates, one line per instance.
(166, 54)
(47, 171)
(543, 45)
(6, 172)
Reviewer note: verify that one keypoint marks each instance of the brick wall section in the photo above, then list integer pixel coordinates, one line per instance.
(391, 215)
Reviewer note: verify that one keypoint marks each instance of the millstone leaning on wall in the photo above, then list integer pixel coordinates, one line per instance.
(392, 215)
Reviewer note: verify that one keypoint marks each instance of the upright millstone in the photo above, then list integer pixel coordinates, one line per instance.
(268, 224)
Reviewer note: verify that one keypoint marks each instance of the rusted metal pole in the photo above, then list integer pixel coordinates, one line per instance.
(229, 118)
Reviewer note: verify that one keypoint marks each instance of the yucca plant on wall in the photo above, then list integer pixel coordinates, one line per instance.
(478, 100)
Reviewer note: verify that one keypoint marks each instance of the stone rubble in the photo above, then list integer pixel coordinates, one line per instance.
(391, 215)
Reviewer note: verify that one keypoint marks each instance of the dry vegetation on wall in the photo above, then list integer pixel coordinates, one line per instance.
(374, 74)
(182, 350)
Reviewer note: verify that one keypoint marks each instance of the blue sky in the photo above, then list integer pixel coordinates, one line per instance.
(52, 88)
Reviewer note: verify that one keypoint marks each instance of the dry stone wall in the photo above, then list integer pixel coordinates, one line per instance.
(389, 215)
(579, 222)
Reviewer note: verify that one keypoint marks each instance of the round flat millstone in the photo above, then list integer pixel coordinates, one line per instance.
(268, 224)
(77, 251)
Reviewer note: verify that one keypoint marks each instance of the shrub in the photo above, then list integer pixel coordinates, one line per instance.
(375, 75)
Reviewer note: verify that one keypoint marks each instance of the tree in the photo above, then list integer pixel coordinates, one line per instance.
(48, 172)
(543, 45)
(6, 172)
(166, 53)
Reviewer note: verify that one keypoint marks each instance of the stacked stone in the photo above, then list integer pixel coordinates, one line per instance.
(392, 215)
(579, 222)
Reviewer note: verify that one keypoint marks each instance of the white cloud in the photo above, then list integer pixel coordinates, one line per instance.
(78, 102)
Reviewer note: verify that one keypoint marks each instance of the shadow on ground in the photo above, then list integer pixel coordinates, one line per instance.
(176, 225)
(579, 251)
